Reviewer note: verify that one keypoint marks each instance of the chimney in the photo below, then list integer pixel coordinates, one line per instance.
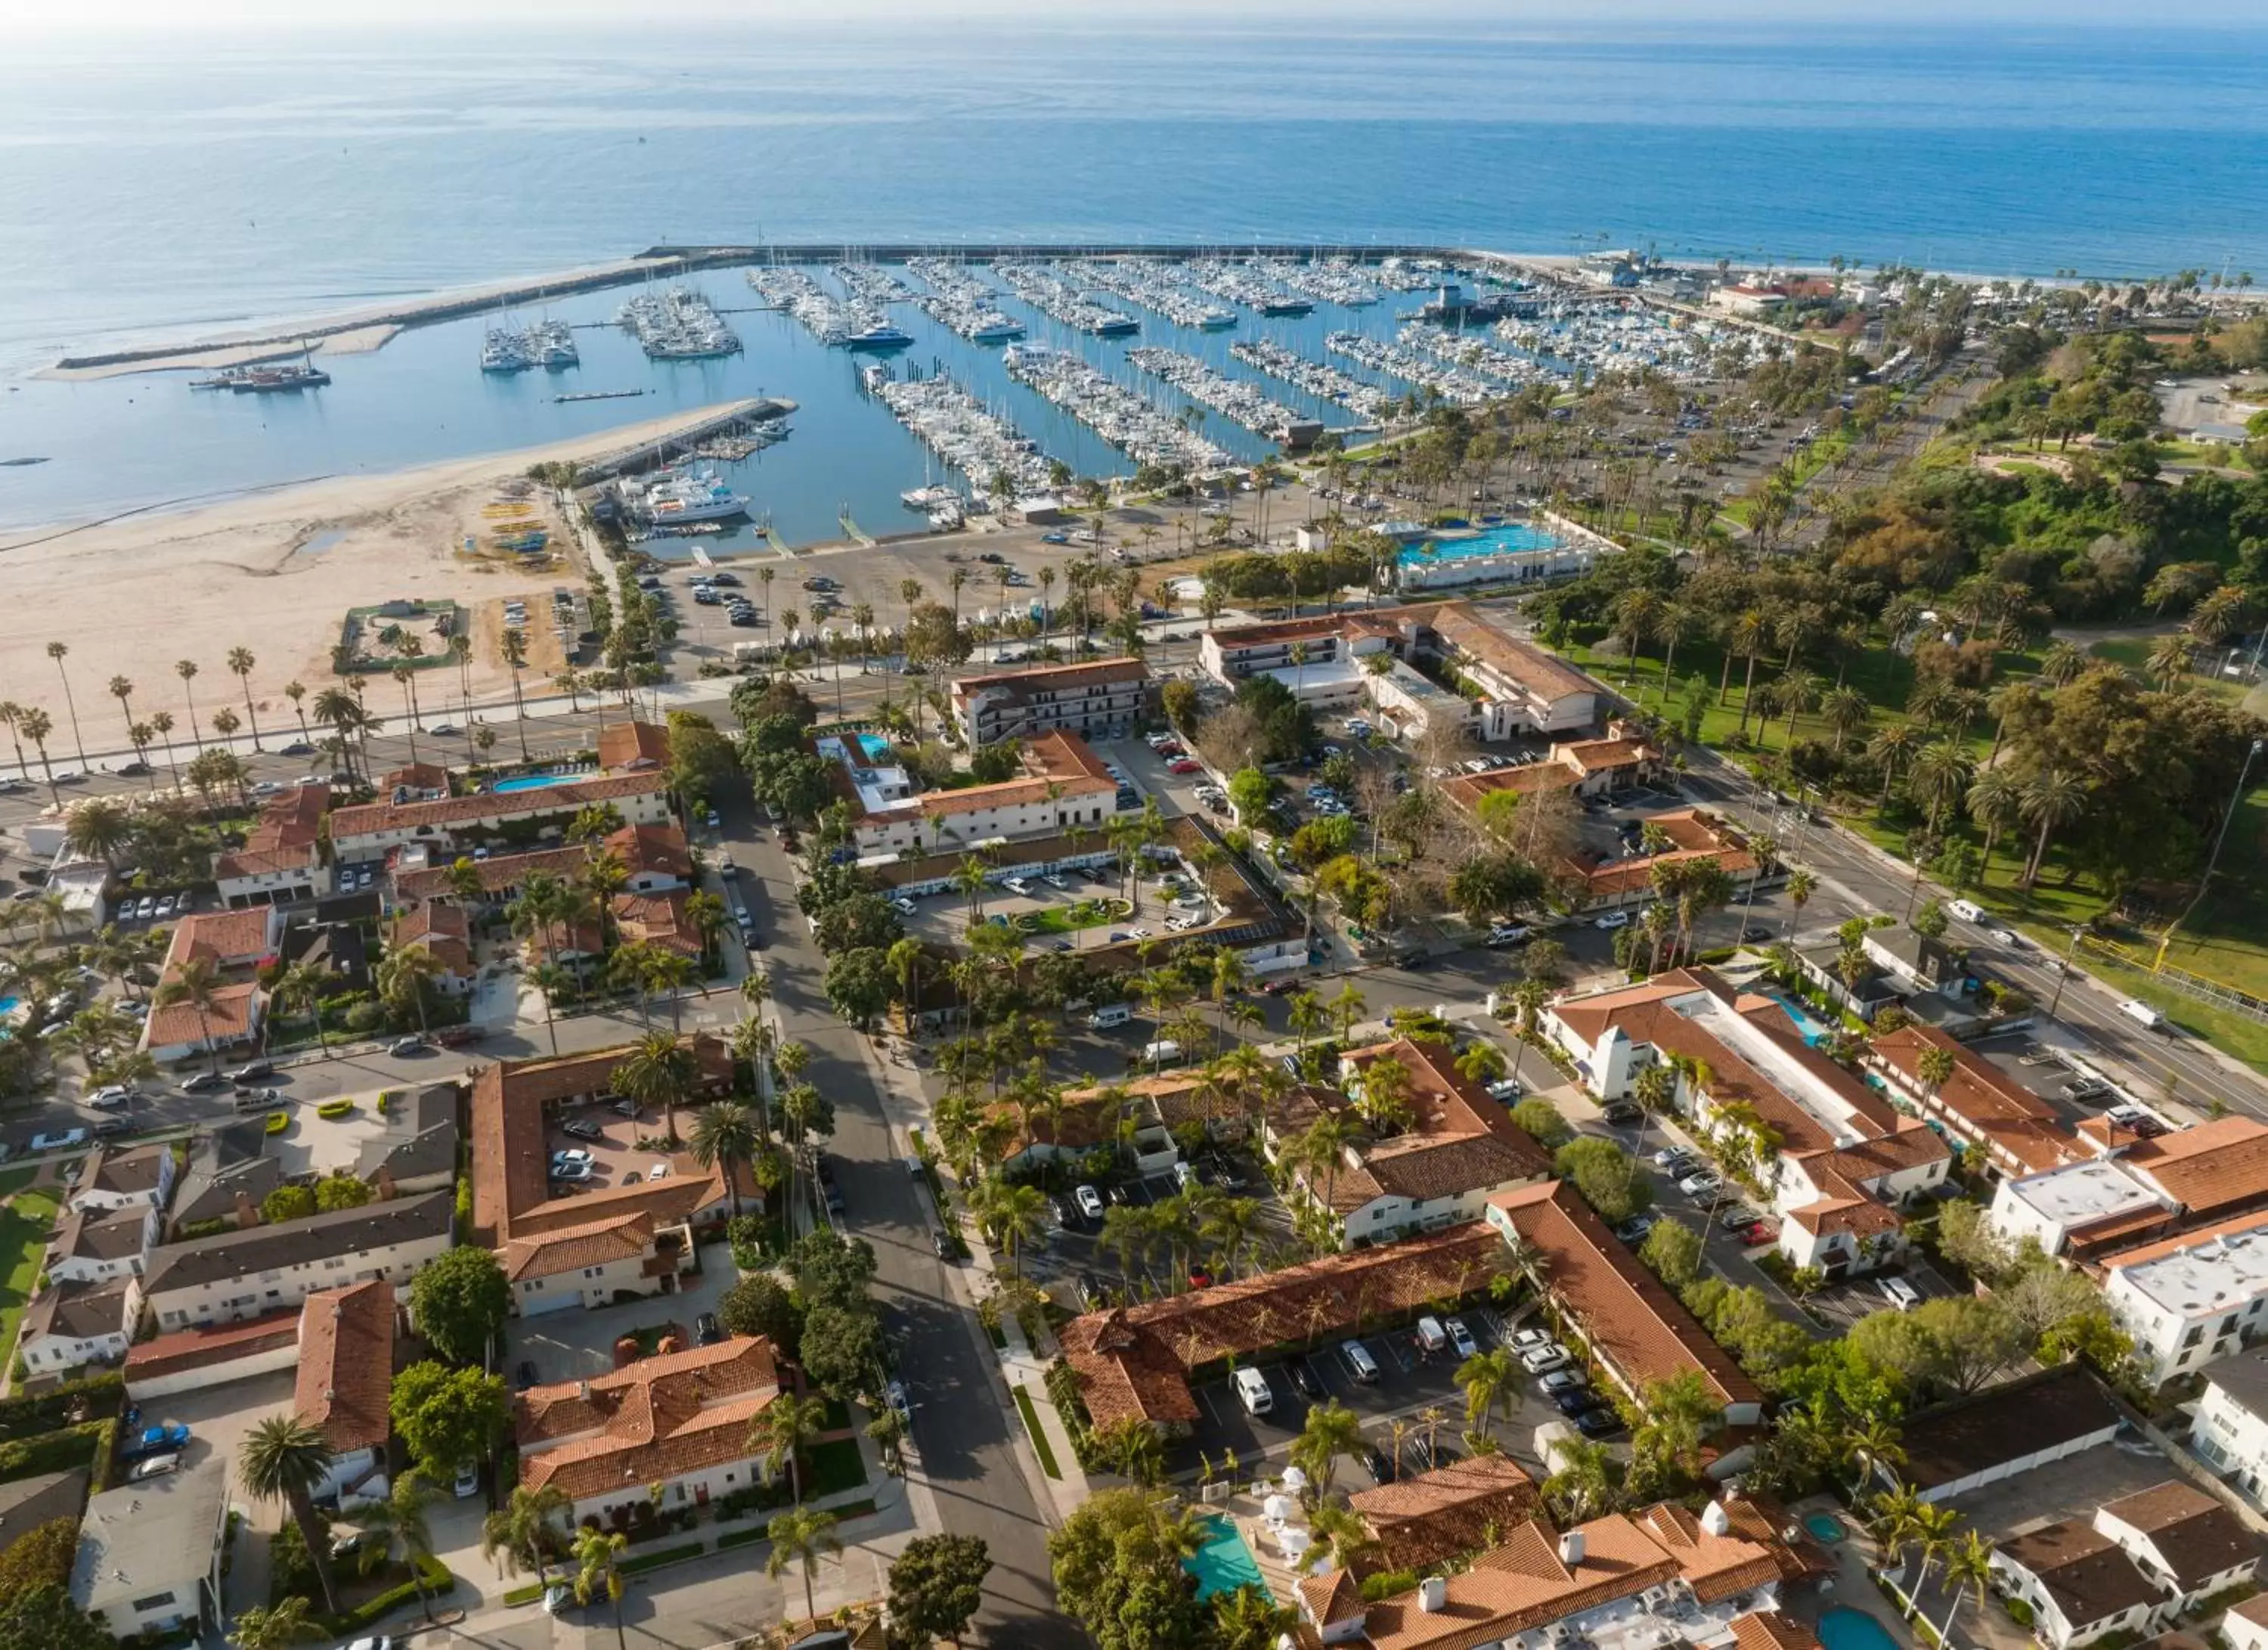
(385, 1184)
(247, 1215)
(582, 1390)
(1715, 1519)
(1571, 1547)
(1432, 1594)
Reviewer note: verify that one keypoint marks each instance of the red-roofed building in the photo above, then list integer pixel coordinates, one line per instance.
(1101, 698)
(681, 1420)
(1064, 786)
(1599, 882)
(444, 931)
(659, 920)
(633, 746)
(282, 859)
(346, 1375)
(2017, 1131)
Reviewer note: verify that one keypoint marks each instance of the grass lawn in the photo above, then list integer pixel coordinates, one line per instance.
(2133, 652)
(1040, 1445)
(1063, 919)
(14, 1180)
(833, 1467)
(25, 1225)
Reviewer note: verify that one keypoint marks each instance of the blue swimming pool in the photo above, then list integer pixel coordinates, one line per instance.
(1846, 1628)
(1815, 1030)
(1824, 1526)
(1507, 539)
(877, 748)
(1224, 1563)
(530, 782)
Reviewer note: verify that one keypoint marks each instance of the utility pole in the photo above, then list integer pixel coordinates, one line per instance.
(2063, 973)
(2236, 801)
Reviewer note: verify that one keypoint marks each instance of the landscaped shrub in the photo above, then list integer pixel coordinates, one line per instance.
(1387, 1584)
(67, 1405)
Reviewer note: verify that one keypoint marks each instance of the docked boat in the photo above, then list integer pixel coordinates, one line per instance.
(264, 381)
(504, 352)
(882, 336)
(552, 345)
(926, 498)
(675, 498)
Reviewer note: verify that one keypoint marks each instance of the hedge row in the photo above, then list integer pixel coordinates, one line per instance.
(45, 1411)
(438, 1584)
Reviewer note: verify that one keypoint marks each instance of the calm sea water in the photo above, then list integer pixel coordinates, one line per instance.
(154, 190)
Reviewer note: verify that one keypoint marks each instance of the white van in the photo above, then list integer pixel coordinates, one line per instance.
(2142, 1013)
(1252, 1390)
(1108, 1015)
(1165, 1051)
(1967, 910)
(1431, 1338)
(1899, 1292)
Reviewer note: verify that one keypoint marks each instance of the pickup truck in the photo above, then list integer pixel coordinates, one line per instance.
(167, 1435)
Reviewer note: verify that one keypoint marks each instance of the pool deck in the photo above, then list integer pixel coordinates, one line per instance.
(1851, 1587)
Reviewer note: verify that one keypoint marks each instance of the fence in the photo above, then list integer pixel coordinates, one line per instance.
(2201, 986)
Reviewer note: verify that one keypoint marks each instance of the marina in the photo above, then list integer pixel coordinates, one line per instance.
(961, 302)
(1317, 378)
(678, 324)
(1148, 285)
(1137, 427)
(1241, 283)
(1046, 290)
(1240, 400)
(1335, 281)
(1471, 352)
(1001, 462)
(1412, 366)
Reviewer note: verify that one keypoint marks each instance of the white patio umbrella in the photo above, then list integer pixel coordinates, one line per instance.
(1294, 1480)
(1293, 1543)
(1278, 1508)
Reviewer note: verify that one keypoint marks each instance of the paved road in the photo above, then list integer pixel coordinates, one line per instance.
(961, 1425)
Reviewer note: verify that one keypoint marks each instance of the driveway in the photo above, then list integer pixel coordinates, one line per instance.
(574, 1343)
(219, 1420)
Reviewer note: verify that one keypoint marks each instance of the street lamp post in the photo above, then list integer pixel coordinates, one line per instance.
(2063, 973)
(2236, 801)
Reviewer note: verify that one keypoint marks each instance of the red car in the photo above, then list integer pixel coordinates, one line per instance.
(1183, 764)
(1756, 1232)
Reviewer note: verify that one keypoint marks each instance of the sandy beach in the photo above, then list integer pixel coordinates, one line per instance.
(274, 573)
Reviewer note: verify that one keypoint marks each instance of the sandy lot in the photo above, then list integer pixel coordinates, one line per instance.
(274, 573)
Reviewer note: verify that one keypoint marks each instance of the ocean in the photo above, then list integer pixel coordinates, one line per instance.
(166, 189)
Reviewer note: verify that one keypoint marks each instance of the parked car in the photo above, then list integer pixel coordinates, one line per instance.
(152, 1467)
(1375, 1463)
(1303, 1377)
(1563, 1381)
(1541, 1360)
(706, 1331)
(468, 1482)
(1622, 1114)
(524, 1377)
(1461, 1338)
(1611, 920)
(252, 1070)
(1703, 1184)
(401, 1046)
(570, 1171)
(582, 1128)
(167, 1435)
(1598, 1423)
(939, 1244)
(203, 1083)
(1090, 1201)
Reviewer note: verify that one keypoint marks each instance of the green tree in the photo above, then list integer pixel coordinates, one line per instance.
(783, 1431)
(283, 1460)
(1606, 1175)
(1485, 1377)
(43, 1618)
(1673, 1250)
(286, 1203)
(937, 1586)
(274, 1627)
(758, 1305)
(842, 1348)
(1540, 1120)
(449, 1418)
(1331, 1430)
(1117, 1563)
(459, 1303)
(659, 1071)
(802, 1536)
(857, 985)
(725, 1132)
(404, 1518)
(598, 1572)
(523, 1530)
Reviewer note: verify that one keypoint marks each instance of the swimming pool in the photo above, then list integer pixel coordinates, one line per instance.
(1846, 1628)
(1224, 1564)
(1509, 538)
(530, 782)
(1824, 1526)
(1815, 1030)
(877, 748)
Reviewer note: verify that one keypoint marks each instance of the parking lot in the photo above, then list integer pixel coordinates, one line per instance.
(1072, 1265)
(1070, 910)
(576, 1341)
(600, 1150)
(1410, 1385)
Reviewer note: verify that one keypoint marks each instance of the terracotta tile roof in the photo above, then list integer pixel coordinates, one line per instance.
(623, 745)
(375, 818)
(2196, 1536)
(1979, 1099)
(652, 848)
(1331, 1598)
(1715, 1567)
(2087, 1575)
(1693, 836)
(226, 937)
(1767, 1523)
(1054, 678)
(1465, 790)
(1535, 671)
(416, 775)
(2253, 1609)
(1605, 755)
(1775, 1630)
(511, 1157)
(1459, 1140)
(652, 1421)
(1450, 1510)
(2212, 1168)
(1133, 1362)
(1625, 1312)
(1912, 1145)
(659, 919)
(346, 1364)
(285, 836)
(206, 1344)
(1524, 1584)
(496, 873)
(228, 1017)
(441, 929)
(620, 1237)
(1235, 638)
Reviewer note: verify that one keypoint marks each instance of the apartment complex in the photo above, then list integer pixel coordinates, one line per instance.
(281, 860)
(1065, 787)
(257, 1270)
(2133, 1568)
(1101, 699)
(2139, 1191)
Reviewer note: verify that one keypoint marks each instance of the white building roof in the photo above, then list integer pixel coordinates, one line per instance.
(145, 1538)
(1319, 675)
(2196, 1280)
(1772, 1062)
(2081, 1194)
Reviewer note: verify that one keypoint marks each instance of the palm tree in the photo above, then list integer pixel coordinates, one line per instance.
(196, 980)
(514, 647)
(787, 1426)
(241, 662)
(1870, 1444)
(1995, 802)
(99, 828)
(2169, 660)
(2051, 801)
(1332, 1430)
(296, 691)
(1932, 1536)
(1801, 885)
(186, 670)
(37, 724)
(1341, 1534)
(405, 976)
(1583, 1487)
(12, 714)
(1012, 1216)
(301, 986)
(1939, 774)
(1485, 1376)
(1892, 749)
(725, 1133)
(283, 1460)
(122, 690)
(1967, 1570)
(802, 1536)
(59, 651)
(274, 1627)
(521, 1529)
(659, 1071)
(403, 1518)
(1846, 710)
(2062, 663)
(598, 1574)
